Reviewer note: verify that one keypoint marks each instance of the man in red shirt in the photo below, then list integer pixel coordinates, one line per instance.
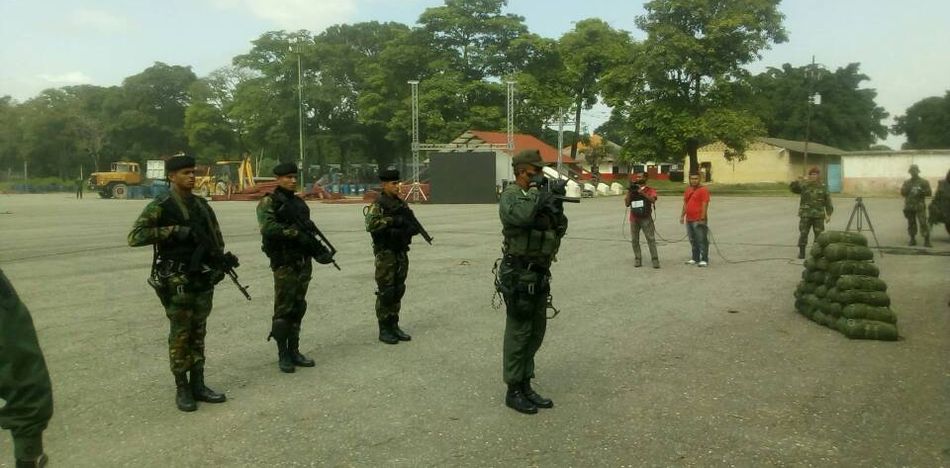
(695, 206)
(640, 200)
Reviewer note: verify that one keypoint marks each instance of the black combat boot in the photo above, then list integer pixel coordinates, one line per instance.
(394, 323)
(656, 262)
(284, 360)
(200, 391)
(516, 400)
(386, 334)
(534, 397)
(801, 251)
(183, 397)
(293, 345)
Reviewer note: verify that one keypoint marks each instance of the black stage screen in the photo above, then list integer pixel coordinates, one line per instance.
(462, 177)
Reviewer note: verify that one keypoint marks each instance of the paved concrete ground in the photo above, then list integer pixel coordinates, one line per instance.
(679, 366)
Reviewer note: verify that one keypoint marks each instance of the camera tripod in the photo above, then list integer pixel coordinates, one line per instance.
(859, 214)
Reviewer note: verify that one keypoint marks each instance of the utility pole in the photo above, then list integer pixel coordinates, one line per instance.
(416, 190)
(303, 167)
(560, 136)
(810, 76)
(511, 115)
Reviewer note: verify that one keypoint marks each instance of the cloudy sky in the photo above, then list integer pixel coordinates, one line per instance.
(901, 45)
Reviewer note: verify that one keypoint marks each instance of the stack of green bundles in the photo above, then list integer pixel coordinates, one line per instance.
(840, 288)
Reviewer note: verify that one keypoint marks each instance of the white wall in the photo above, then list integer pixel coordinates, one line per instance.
(503, 170)
(885, 171)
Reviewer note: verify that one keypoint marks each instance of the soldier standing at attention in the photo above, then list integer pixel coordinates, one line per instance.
(814, 207)
(915, 191)
(532, 225)
(26, 396)
(181, 226)
(392, 233)
(286, 247)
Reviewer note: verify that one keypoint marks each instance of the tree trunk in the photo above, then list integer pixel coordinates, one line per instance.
(577, 126)
(692, 148)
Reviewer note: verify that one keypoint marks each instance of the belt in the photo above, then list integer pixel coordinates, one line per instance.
(526, 263)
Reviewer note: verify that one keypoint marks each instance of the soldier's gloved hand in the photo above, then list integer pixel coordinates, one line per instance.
(181, 232)
(559, 187)
(324, 258)
(542, 222)
(230, 260)
(545, 199)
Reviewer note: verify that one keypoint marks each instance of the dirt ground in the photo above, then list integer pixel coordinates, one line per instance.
(679, 366)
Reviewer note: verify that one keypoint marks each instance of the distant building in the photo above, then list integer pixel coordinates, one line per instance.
(478, 141)
(879, 172)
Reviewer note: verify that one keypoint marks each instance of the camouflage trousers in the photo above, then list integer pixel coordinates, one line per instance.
(914, 218)
(391, 270)
(805, 224)
(187, 311)
(646, 226)
(290, 290)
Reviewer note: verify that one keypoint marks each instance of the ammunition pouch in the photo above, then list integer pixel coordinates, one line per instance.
(532, 242)
(525, 287)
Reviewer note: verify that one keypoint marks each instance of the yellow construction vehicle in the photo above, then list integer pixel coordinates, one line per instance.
(225, 177)
(115, 183)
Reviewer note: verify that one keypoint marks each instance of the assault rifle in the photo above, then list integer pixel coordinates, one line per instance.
(557, 191)
(211, 254)
(317, 245)
(411, 217)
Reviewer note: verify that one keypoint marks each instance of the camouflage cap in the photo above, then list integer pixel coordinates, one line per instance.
(285, 168)
(914, 169)
(179, 161)
(532, 157)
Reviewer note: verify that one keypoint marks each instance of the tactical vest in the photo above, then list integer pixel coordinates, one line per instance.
(383, 238)
(529, 242)
(175, 249)
(282, 251)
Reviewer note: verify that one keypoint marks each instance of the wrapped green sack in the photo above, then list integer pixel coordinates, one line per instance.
(858, 329)
(836, 252)
(821, 318)
(855, 296)
(869, 312)
(821, 291)
(815, 251)
(805, 287)
(817, 276)
(822, 264)
(836, 237)
(832, 309)
(852, 267)
(861, 282)
(809, 263)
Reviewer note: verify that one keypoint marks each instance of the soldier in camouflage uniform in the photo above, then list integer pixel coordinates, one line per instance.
(287, 248)
(533, 225)
(915, 192)
(26, 396)
(176, 224)
(814, 207)
(392, 232)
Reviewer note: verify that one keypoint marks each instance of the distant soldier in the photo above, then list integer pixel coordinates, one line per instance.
(289, 249)
(915, 192)
(26, 396)
(188, 262)
(79, 188)
(940, 205)
(814, 207)
(392, 232)
(533, 224)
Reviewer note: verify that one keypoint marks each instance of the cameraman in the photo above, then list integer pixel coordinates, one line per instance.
(640, 199)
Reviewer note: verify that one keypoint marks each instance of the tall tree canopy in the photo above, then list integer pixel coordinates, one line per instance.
(847, 116)
(678, 92)
(926, 123)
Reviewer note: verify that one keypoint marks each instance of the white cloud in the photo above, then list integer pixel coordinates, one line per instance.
(99, 20)
(73, 77)
(313, 15)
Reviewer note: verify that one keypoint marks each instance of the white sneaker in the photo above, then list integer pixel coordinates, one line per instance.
(691, 262)
(702, 264)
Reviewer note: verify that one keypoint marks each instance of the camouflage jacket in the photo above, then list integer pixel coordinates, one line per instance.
(815, 200)
(278, 235)
(158, 220)
(519, 211)
(915, 190)
(383, 223)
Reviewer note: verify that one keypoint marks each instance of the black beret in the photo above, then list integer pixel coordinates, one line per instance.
(285, 168)
(177, 162)
(389, 175)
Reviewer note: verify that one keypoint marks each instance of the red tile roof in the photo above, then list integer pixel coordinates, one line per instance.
(522, 142)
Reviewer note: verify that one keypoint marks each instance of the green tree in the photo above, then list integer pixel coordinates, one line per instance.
(679, 91)
(926, 124)
(588, 52)
(847, 118)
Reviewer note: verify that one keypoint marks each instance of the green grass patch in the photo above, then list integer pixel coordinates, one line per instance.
(38, 185)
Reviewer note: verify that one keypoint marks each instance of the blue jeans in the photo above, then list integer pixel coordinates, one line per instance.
(698, 240)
